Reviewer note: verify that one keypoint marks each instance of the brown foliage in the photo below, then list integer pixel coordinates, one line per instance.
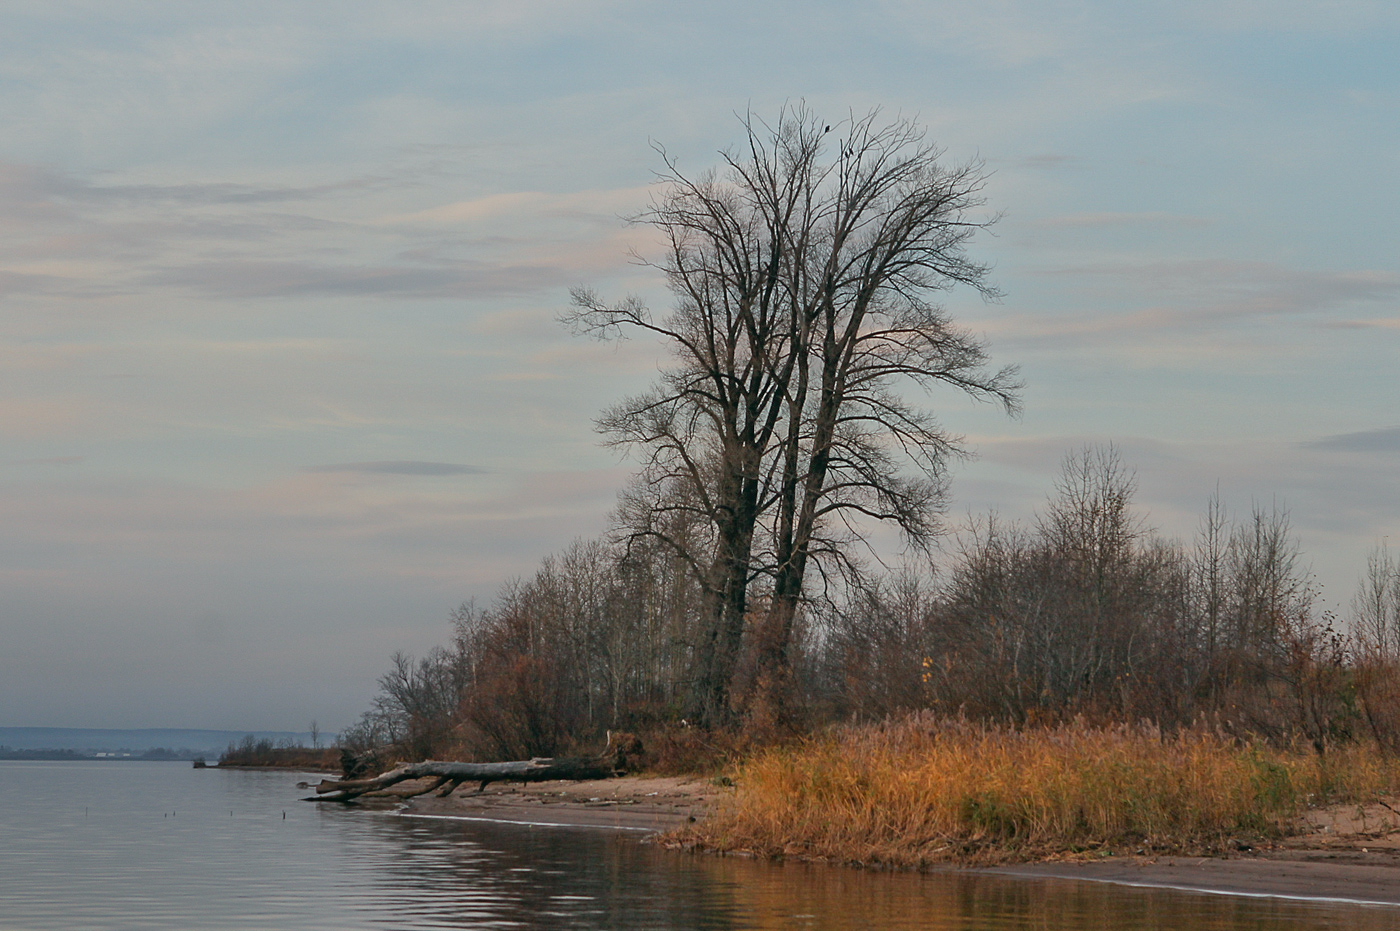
(519, 710)
(1085, 614)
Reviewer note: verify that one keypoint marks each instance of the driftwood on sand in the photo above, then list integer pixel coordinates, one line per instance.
(448, 776)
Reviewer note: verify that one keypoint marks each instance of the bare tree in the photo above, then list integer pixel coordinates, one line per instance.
(1209, 583)
(802, 286)
(706, 428)
(1270, 588)
(1376, 605)
(885, 229)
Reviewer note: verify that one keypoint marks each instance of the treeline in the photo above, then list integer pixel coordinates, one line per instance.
(154, 753)
(1085, 611)
(284, 754)
(603, 636)
(7, 754)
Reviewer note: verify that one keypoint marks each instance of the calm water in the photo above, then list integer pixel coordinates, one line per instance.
(162, 845)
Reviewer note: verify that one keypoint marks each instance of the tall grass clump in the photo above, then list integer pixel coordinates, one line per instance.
(927, 790)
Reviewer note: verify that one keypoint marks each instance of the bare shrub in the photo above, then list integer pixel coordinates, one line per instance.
(1081, 613)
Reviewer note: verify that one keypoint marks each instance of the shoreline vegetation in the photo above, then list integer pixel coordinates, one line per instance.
(926, 791)
(1196, 809)
(1254, 710)
(1265, 713)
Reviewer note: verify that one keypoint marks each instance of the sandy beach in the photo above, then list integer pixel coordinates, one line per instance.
(646, 805)
(1341, 854)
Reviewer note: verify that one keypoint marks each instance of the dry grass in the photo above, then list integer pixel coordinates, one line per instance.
(925, 790)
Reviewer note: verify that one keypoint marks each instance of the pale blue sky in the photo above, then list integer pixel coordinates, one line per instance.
(280, 382)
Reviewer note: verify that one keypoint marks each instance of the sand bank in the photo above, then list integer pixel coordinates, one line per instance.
(646, 805)
(1316, 876)
(1344, 852)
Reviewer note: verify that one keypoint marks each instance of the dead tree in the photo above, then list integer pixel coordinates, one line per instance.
(448, 776)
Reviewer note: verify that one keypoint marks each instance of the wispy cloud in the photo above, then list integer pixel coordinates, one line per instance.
(1248, 286)
(1196, 296)
(1363, 441)
(400, 467)
(20, 283)
(1378, 323)
(71, 237)
(249, 279)
(42, 189)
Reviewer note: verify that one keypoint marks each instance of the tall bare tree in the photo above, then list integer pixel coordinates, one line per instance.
(803, 281)
(886, 229)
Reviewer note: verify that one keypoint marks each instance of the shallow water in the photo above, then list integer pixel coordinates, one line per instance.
(125, 845)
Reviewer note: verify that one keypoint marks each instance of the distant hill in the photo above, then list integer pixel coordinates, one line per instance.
(87, 741)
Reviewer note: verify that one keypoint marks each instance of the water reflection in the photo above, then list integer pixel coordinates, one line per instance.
(117, 847)
(479, 874)
(551, 877)
(825, 899)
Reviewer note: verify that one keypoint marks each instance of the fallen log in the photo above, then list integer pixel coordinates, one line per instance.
(448, 776)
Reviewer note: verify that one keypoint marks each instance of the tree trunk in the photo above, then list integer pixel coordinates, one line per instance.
(454, 774)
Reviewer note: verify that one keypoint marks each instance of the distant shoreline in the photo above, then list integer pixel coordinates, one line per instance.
(82, 756)
(186, 743)
(278, 768)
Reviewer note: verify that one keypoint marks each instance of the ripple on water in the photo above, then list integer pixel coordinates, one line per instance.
(123, 845)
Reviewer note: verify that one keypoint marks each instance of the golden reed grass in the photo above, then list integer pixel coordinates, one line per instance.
(926, 790)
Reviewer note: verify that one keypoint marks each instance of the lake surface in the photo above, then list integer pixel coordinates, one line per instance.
(90, 845)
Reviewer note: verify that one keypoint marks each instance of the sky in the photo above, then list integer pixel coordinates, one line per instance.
(281, 377)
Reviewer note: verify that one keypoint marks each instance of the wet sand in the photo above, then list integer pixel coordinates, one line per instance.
(1321, 876)
(1344, 852)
